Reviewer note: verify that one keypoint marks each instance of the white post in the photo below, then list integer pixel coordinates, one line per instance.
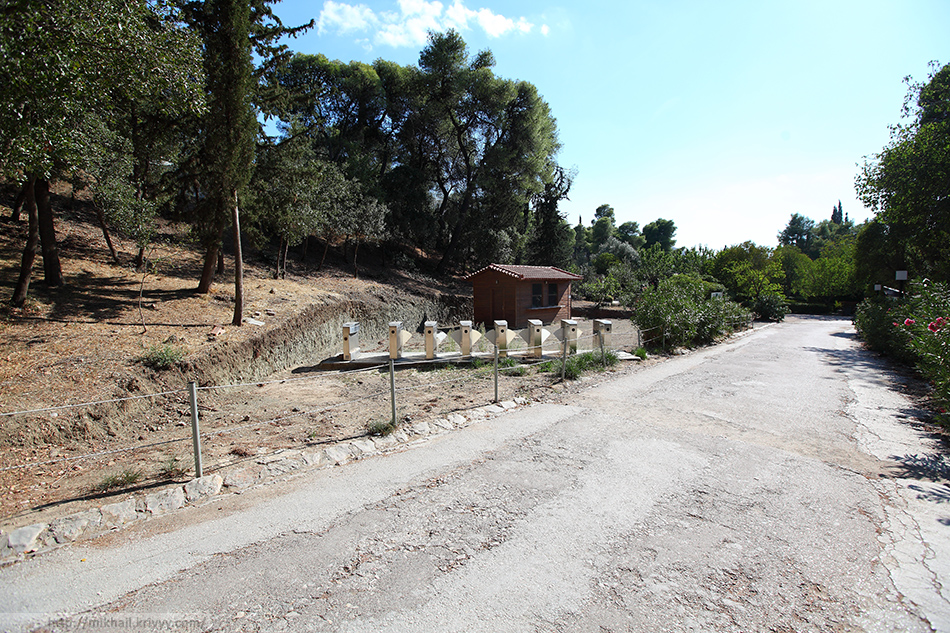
(501, 338)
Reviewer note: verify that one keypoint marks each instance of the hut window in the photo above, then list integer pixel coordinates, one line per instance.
(537, 295)
(552, 294)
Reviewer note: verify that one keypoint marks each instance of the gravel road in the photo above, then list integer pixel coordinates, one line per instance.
(777, 482)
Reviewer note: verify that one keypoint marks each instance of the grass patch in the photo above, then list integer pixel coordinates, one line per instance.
(580, 363)
(382, 427)
(508, 366)
(123, 479)
(641, 353)
(162, 356)
(174, 468)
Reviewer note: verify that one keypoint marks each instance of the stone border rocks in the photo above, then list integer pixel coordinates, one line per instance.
(41, 537)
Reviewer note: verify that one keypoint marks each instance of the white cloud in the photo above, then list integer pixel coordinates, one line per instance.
(344, 18)
(410, 22)
(545, 30)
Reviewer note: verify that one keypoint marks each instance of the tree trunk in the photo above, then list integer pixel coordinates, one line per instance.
(280, 250)
(238, 263)
(29, 252)
(219, 270)
(140, 263)
(52, 270)
(105, 233)
(283, 274)
(20, 199)
(207, 271)
(356, 271)
(325, 249)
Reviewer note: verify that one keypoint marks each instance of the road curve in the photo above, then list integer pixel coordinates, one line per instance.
(775, 482)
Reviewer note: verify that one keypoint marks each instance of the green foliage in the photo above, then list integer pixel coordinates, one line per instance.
(749, 284)
(914, 331)
(877, 320)
(508, 366)
(62, 60)
(770, 307)
(660, 232)
(600, 289)
(162, 356)
(908, 183)
(577, 364)
(681, 309)
(602, 229)
(552, 243)
(641, 353)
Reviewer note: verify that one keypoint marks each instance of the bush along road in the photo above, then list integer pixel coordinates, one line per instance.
(776, 482)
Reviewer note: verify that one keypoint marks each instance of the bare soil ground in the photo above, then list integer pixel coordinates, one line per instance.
(84, 343)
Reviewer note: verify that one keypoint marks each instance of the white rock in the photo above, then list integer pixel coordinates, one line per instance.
(115, 514)
(384, 441)
(243, 478)
(312, 459)
(69, 528)
(421, 428)
(339, 454)
(363, 446)
(206, 486)
(25, 539)
(165, 501)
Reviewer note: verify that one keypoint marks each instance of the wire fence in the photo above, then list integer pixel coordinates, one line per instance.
(481, 385)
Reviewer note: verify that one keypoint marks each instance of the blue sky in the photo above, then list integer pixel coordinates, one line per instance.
(725, 117)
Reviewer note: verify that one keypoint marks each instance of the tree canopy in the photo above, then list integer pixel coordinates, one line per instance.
(907, 184)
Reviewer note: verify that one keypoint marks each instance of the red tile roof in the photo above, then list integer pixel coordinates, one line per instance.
(525, 273)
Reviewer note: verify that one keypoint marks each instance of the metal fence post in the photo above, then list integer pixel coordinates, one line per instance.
(392, 386)
(195, 434)
(496, 373)
(564, 359)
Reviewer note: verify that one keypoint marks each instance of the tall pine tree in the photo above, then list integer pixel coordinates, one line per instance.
(229, 130)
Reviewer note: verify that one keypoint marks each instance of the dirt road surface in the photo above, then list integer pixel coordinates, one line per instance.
(775, 482)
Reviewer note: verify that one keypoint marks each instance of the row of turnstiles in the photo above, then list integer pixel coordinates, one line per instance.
(465, 336)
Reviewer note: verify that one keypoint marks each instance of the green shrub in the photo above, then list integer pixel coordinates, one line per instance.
(162, 356)
(877, 322)
(640, 353)
(770, 307)
(680, 308)
(915, 331)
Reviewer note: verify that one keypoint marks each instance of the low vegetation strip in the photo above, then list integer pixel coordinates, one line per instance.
(915, 330)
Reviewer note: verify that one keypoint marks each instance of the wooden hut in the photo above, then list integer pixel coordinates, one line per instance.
(518, 293)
